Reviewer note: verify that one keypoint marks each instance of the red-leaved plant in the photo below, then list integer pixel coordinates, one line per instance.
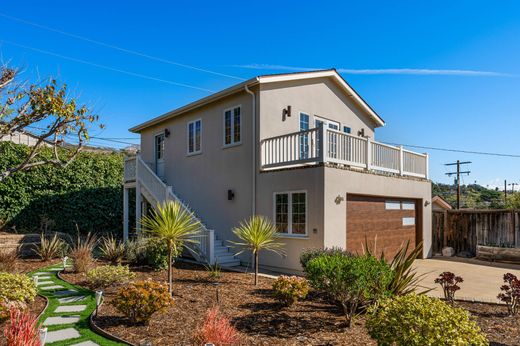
(22, 329)
(510, 293)
(449, 283)
(217, 330)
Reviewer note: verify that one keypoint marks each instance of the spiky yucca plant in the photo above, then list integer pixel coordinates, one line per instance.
(405, 279)
(172, 224)
(112, 250)
(50, 248)
(257, 233)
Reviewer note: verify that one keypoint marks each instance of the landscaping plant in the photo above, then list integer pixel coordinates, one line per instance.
(22, 329)
(50, 248)
(81, 253)
(135, 250)
(108, 275)
(352, 281)
(288, 289)
(8, 260)
(216, 330)
(112, 250)
(309, 254)
(172, 225)
(156, 254)
(449, 283)
(257, 233)
(510, 294)
(214, 271)
(140, 300)
(15, 290)
(417, 320)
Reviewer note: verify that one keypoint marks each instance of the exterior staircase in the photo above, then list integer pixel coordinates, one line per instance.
(208, 248)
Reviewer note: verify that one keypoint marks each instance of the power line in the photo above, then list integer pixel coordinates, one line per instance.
(111, 46)
(456, 150)
(134, 74)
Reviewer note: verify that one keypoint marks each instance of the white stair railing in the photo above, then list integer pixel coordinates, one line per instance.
(204, 238)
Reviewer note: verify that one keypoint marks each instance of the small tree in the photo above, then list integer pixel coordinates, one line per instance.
(257, 233)
(449, 283)
(173, 225)
(46, 107)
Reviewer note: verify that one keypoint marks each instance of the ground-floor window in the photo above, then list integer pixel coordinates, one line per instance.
(290, 212)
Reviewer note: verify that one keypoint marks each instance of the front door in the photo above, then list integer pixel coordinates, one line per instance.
(159, 155)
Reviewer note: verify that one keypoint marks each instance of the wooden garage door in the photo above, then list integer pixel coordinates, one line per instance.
(392, 221)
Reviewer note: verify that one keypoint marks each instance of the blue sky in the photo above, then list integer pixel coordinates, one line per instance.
(441, 74)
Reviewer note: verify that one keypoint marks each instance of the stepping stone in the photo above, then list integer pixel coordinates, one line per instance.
(53, 321)
(53, 287)
(65, 292)
(44, 277)
(41, 283)
(86, 343)
(55, 269)
(74, 299)
(62, 334)
(40, 273)
(70, 308)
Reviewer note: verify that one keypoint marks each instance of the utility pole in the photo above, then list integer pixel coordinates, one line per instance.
(458, 173)
(505, 192)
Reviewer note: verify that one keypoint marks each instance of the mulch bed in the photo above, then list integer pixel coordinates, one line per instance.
(260, 319)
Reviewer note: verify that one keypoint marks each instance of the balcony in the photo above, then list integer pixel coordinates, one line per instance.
(324, 145)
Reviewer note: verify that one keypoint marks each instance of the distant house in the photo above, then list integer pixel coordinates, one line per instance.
(298, 148)
(23, 137)
(440, 204)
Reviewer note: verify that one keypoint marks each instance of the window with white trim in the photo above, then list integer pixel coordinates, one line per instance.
(194, 136)
(232, 126)
(290, 212)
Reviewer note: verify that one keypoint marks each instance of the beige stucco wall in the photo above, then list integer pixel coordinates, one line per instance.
(339, 182)
(202, 180)
(321, 97)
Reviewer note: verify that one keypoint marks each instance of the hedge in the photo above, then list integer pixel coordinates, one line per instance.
(88, 193)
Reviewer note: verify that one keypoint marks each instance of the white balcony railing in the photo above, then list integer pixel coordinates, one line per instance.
(324, 145)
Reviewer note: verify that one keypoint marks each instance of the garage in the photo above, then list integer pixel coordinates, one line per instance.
(390, 220)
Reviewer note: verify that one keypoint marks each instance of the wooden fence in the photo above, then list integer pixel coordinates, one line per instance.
(463, 230)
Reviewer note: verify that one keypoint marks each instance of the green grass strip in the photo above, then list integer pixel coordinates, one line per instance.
(82, 326)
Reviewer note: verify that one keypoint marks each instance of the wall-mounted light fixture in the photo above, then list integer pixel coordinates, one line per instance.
(286, 112)
(426, 203)
(230, 195)
(339, 199)
(166, 133)
(361, 133)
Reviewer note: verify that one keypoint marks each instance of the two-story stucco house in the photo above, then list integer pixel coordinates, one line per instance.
(299, 148)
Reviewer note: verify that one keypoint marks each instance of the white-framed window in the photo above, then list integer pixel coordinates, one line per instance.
(290, 212)
(232, 126)
(331, 124)
(194, 129)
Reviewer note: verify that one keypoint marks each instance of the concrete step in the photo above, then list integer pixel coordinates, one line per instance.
(233, 263)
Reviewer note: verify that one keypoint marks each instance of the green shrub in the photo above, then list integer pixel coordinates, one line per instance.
(288, 289)
(140, 300)
(309, 254)
(352, 281)
(420, 320)
(156, 254)
(88, 192)
(15, 288)
(135, 250)
(105, 276)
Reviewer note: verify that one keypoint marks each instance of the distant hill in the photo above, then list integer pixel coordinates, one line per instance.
(472, 196)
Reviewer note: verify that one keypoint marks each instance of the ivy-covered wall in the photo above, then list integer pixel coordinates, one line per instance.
(88, 193)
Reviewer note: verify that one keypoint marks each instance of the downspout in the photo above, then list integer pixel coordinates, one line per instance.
(253, 204)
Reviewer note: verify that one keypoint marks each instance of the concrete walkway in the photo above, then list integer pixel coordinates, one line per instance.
(66, 316)
(482, 280)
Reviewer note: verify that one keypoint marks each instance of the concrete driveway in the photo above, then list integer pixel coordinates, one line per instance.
(482, 280)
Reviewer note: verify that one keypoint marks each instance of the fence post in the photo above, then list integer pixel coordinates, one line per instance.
(167, 193)
(137, 197)
(323, 143)
(211, 246)
(401, 160)
(369, 153)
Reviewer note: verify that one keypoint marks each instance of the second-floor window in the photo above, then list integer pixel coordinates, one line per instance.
(194, 136)
(232, 126)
